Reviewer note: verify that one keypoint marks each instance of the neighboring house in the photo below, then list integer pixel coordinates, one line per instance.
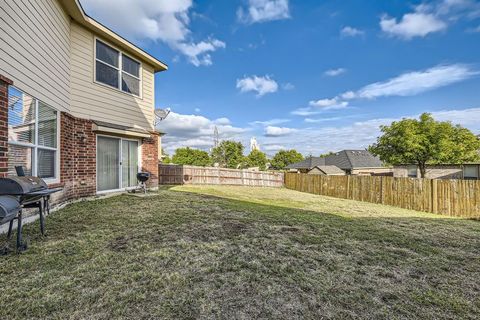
(76, 100)
(352, 162)
(327, 171)
(452, 171)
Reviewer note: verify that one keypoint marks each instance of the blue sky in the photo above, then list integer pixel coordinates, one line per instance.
(316, 76)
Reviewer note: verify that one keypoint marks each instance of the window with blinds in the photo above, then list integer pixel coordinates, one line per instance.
(115, 69)
(32, 135)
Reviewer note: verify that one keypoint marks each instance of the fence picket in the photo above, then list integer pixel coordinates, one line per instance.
(447, 197)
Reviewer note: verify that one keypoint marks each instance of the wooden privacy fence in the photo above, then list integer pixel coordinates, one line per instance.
(459, 198)
(175, 174)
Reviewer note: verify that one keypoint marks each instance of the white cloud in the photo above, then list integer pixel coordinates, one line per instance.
(197, 110)
(407, 84)
(359, 135)
(158, 20)
(329, 104)
(413, 83)
(430, 17)
(351, 32)
(305, 112)
(222, 121)
(288, 86)
(198, 53)
(271, 122)
(263, 11)
(335, 72)
(412, 25)
(260, 85)
(196, 131)
(272, 131)
(310, 120)
(273, 147)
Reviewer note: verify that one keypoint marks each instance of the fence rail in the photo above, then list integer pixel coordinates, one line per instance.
(459, 198)
(175, 174)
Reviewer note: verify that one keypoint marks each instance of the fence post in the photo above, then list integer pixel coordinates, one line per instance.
(381, 191)
(434, 196)
(348, 187)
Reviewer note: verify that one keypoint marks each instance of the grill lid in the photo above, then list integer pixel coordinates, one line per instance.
(21, 185)
(9, 208)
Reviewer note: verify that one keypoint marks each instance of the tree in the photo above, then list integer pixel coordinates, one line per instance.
(229, 154)
(192, 157)
(425, 141)
(257, 158)
(283, 158)
(324, 155)
(165, 157)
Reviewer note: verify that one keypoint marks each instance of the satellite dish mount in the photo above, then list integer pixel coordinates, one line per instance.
(160, 115)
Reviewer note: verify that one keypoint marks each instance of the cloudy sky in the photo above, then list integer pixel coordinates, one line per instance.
(313, 75)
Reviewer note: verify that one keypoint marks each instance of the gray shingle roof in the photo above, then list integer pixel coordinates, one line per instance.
(345, 160)
(331, 170)
(308, 163)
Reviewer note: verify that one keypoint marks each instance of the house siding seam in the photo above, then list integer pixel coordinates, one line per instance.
(150, 159)
(4, 84)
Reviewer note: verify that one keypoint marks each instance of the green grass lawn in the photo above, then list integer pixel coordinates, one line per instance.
(243, 253)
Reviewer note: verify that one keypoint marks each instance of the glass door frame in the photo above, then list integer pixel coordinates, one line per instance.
(120, 167)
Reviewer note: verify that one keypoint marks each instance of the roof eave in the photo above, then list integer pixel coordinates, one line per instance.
(75, 11)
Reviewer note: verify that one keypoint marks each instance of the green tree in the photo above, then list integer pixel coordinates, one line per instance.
(283, 158)
(257, 158)
(166, 157)
(229, 154)
(324, 155)
(192, 157)
(425, 141)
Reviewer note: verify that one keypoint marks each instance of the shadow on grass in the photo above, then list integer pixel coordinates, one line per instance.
(189, 255)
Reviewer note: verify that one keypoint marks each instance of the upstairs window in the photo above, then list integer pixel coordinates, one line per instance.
(32, 135)
(115, 69)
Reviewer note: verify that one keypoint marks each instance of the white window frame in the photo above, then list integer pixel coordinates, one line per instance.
(120, 167)
(35, 146)
(119, 69)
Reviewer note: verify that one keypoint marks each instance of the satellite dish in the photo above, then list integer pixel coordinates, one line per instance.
(161, 114)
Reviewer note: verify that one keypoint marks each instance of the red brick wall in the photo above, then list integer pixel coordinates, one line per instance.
(77, 157)
(4, 83)
(150, 159)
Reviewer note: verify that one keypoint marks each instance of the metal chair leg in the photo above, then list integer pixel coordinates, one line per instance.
(42, 218)
(10, 229)
(20, 245)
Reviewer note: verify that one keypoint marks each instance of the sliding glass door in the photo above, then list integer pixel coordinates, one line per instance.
(117, 163)
(108, 163)
(129, 163)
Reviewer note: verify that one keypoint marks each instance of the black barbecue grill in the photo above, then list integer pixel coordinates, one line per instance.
(142, 178)
(29, 192)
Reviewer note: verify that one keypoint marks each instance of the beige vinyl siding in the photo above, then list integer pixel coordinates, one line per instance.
(95, 101)
(35, 49)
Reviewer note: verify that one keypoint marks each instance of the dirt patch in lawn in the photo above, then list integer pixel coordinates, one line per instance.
(243, 253)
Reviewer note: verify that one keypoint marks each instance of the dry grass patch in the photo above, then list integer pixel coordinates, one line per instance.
(242, 253)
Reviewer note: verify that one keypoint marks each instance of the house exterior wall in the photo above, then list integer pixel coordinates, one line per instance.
(51, 57)
(4, 83)
(90, 100)
(371, 171)
(316, 171)
(150, 149)
(77, 158)
(35, 49)
(432, 172)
